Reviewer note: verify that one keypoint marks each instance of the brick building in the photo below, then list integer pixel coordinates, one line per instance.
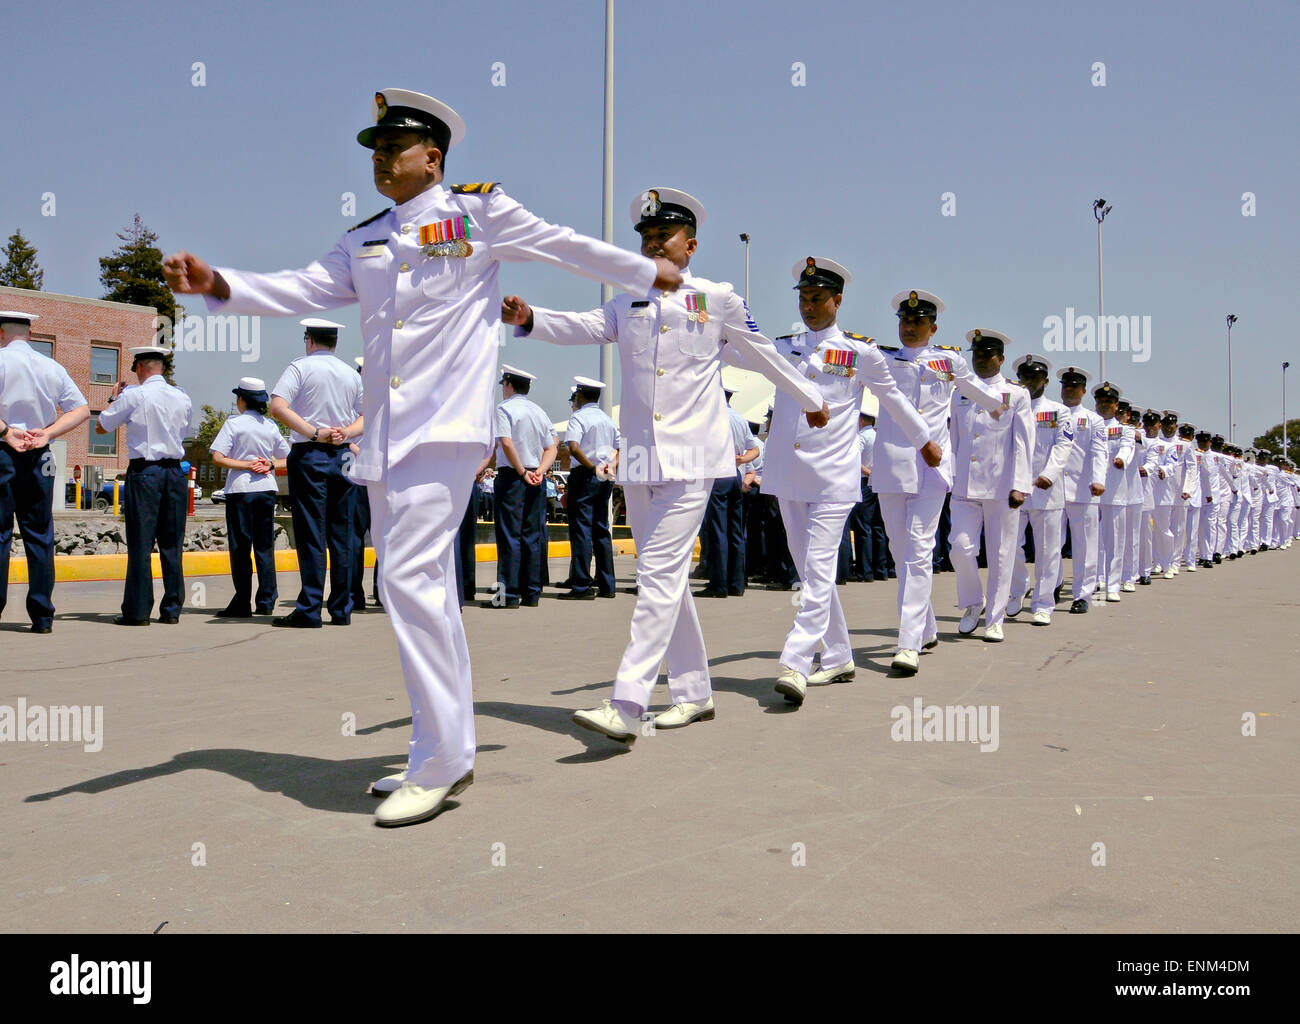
(90, 337)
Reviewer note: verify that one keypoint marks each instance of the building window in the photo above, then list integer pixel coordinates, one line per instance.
(101, 444)
(45, 348)
(103, 365)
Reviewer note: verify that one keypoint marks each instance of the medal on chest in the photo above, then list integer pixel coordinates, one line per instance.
(1047, 419)
(1114, 433)
(941, 367)
(448, 238)
(839, 362)
(697, 307)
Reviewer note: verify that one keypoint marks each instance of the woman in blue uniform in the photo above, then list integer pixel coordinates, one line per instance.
(251, 446)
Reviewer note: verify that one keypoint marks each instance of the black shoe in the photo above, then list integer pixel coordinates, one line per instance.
(893, 575)
(268, 610)
(1056, 596)
(295, 621)
(122, 620)
(169, 620)
(1144, 581)
(1080, 607)
(579, 595)
(40, 629)
(339, 620)
(237, 612)
(735, 593)
(605, 594)
(1218, 558)
(528, 602)
(709, 592)
(1263, 547)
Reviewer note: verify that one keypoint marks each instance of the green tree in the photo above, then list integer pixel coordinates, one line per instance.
(210, 426)
(20, 268)
(1271, 440)
(133, 273)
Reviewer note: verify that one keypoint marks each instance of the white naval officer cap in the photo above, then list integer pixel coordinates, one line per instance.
(671, 205)
(253, 389)
(917, 300)
(980, 337)
(588, 382)
(819, 272)
(321, 330)
(13, 316)
(360, 361)
(413, 111)
(1074, 372)
(149, 352)
(1036, 360)
(513, 371)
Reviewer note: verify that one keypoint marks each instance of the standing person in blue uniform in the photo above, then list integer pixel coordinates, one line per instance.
(724, 518)
(870, 547)
(991, 460)
(675, 444)
(816, 474)
(425, 274)
(157, 419)
(251, 446)
(593, 444)
(526, 448)
(910, 484)
(33, 390)
(319, 397)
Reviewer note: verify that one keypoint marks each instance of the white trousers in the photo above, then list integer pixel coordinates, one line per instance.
(1146, 544)
(1083, 518)
(1255, 513)
(1110, 547)
(911, 521)
(1178, 527)
(999, 521)
(1224, 521)
(1192, 534)
(1133, 516)
(414, 523)
(814, 530)
(1048, 526)
(1209, 529)
(665, 520)
(1163, 537)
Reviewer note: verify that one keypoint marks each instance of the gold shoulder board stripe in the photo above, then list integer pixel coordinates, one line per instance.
(859, 337)
(474, 187)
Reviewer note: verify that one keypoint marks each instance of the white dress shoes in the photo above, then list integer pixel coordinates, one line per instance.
(791, 685)
(411, 803)
(684, 714)
(1042, 618)
(609, 721)
(906, 662)
(838, 674)
(970, 618)
(993, 633)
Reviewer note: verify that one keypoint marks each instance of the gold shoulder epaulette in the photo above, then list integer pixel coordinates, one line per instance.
(950, 348)
(785, 337)
(859, 337)
(474, 187)
(887, 348)
(369, 220)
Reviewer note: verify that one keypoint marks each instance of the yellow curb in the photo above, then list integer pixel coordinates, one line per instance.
(87, 568)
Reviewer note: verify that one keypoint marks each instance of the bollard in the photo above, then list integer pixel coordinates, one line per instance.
(117, 486)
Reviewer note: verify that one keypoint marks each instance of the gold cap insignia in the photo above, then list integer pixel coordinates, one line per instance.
(381, 106)
(911, 299)
(811, 268)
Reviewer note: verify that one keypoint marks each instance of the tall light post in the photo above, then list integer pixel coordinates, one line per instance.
(1099, 210)
(607, 291)
(1232, 424)
(745, 238)
(1284, 448)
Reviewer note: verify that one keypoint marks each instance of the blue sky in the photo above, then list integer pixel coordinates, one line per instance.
(993, 103)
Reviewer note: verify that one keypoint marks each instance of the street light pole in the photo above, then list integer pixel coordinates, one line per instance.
(745, 238)
(1099, 210)
(1284, 448)
(607, 291)
(1232, 424)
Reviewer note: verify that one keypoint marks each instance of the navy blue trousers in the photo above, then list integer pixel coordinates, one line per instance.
(724, 524)
(466, 562)
(324, 507)
(870, 546)
(521, 534)
(27, 488)
(361, 523)
(250, 527)
(156, 501)
(587, 505)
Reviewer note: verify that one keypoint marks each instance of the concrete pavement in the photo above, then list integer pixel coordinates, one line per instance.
(230, 790)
